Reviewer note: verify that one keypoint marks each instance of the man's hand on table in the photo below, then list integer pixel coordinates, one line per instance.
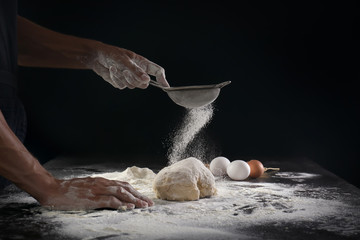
(93, 193)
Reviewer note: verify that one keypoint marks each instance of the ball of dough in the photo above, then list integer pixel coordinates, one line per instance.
(186, 180)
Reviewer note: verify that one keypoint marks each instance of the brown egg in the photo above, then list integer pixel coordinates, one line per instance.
(256, 168)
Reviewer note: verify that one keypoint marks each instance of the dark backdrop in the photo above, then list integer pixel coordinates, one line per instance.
(294, 72)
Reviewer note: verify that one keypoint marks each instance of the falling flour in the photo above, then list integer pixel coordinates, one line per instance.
(194, 120)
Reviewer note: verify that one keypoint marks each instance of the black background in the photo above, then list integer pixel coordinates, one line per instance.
(294, 72)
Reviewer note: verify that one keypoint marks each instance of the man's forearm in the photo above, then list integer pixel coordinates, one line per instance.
(122, 68)
(20, 167)
(41, 47)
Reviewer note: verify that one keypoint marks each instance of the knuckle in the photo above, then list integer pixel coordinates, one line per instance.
(130, 53)
(113, 201)
(96, 179)
(160, 71)
(121, 190)
(143, 64)
(88, 180)
(126, 184)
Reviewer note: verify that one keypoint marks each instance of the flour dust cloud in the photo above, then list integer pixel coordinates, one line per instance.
(194, 120)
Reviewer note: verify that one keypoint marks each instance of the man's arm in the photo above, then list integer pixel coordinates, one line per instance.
(41, 47)
(25, 171)
(19, 166)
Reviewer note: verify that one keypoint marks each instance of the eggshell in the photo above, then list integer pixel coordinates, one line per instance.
(238, 170)
(218, 166)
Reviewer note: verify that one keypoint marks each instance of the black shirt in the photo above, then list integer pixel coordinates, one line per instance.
(10, 105)
(8, 42)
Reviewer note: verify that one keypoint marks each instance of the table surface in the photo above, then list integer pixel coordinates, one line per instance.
(301, 201)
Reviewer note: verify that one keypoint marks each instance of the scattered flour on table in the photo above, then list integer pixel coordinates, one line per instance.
(194, 120)
(296, 177)
(238, 207)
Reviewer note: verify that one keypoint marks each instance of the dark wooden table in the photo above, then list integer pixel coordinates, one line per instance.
(301, 201)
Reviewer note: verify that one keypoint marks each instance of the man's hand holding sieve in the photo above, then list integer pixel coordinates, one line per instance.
(123, 68)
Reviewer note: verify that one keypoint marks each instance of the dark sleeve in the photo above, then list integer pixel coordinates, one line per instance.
(8, 41)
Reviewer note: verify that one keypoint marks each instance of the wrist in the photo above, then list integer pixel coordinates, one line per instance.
(90, 53)
(35, 179)
(41, 185)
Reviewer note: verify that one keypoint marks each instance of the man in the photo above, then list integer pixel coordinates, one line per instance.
(40, 47)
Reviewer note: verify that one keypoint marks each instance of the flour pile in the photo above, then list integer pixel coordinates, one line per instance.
(134, 175)
(195, 119)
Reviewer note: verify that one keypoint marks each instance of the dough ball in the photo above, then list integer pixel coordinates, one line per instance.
(185, 180)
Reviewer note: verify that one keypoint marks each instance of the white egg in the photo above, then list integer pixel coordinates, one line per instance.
(218, 166)
(238, 170)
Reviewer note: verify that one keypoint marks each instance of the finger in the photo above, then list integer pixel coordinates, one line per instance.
(146, 199)
(109, 76)
(91, 203)
(144, 86)
(139, 76)
(132, 73)
(118, 83)
(123, 195)
(129, 78)
(109, 202)
(135, 193)
(144, 79)
(140, 196)
(104, 73)
(122, 79)
(126, 196)
(152, 69)
(108, 187)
